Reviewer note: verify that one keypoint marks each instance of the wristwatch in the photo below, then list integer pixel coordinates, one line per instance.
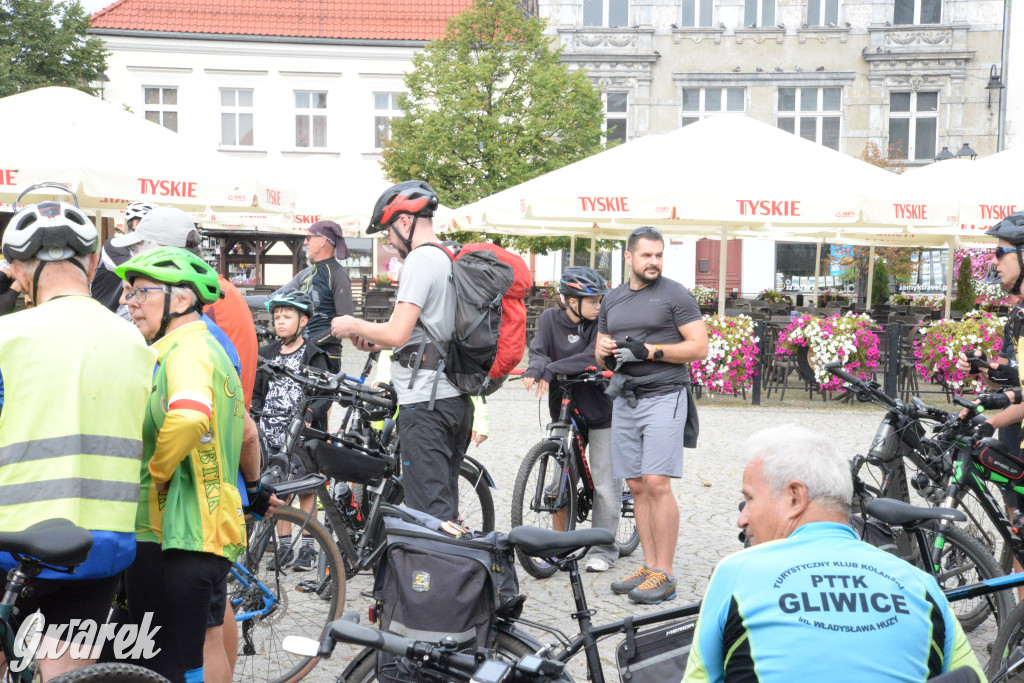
(658, 352)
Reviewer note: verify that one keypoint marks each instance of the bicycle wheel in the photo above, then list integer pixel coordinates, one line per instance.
(112, 673)
(542, 474)
(627, 538)
(279, 600)
(1006, 664)
(476, 505)
(964, 561)
(507, 647)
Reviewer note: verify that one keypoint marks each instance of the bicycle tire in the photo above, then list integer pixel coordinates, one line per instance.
(476, 504)
(1008, 649)
(545, 456)
(366, 670)
(110, 673)
(300, 611)
(627, 538)
(964, 561)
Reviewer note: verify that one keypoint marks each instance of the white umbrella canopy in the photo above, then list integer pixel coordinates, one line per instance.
(110, 157)
(730, 172)
(986, 190)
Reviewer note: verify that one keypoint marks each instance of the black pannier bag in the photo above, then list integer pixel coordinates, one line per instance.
(344, 463)
(992, 454)
(431, 584)
(657, 654)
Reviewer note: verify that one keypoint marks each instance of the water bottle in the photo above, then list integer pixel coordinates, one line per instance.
(884, 444)
(343, 497)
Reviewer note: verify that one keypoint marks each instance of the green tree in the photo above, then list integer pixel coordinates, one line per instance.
(490, 106)
(43, 42)
(965, 294)
(880, 284)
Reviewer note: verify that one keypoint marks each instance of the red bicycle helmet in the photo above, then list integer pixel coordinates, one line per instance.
(413, 197)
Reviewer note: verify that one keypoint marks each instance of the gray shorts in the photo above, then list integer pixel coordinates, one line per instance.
(648, 439)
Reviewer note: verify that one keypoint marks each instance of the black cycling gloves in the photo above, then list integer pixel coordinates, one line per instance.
(259, 500)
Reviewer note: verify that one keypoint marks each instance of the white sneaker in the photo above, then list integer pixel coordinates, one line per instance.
(597, 564)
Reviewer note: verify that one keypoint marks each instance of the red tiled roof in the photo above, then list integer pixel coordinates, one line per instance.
(353, 19)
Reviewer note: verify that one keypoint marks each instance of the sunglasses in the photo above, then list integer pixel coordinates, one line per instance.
(646, 230)
(1002, 251)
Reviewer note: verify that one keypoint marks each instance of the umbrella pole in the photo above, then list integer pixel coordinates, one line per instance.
(593, 250)
(722, 263)
(572, 250)
(817, 270)
(871, 274)
(949, 277)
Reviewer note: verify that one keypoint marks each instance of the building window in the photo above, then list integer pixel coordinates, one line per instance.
(310, 119)
(235, 117)
(606, 13)
(759, 13)
(913, 125)
(385, 108)
(822, 12)
(616, 112)
(812, 113)
(917, 12)
(699, 102)
(697, 13)
(161, 106)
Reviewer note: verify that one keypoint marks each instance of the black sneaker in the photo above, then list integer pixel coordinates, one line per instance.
(280, 559)
(657, 588)
(306, 559)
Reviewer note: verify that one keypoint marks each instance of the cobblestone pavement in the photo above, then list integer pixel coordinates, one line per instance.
(708, 494)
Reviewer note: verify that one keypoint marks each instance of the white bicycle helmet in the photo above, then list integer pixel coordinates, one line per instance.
(137, 210)
(49, 231)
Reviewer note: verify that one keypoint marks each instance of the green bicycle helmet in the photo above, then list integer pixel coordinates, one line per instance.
(174, 266)
(294, 298)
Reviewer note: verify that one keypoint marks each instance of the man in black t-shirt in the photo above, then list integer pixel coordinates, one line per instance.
(106, 286)
(648, 330)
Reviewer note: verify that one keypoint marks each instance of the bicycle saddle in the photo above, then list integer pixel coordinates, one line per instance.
(893, 511)
(55, 542)
(547, 543)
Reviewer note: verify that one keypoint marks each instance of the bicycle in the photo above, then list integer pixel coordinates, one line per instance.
(948, 475)
(58, 545)
(563, 550)
(346, 532)
(546, 494)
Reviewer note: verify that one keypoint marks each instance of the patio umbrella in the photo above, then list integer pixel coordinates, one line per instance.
(720, 177)
(110, 157)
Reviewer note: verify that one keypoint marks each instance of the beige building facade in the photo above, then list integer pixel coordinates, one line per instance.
(908, 75)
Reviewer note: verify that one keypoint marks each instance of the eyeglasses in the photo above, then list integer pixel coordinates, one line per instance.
(139, 294)
(1002, 251)
(646, 230)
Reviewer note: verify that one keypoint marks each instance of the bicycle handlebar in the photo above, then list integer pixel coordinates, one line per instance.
(321, 380)
(345, 631)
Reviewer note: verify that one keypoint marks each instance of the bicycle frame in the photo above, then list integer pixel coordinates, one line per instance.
(17, 579)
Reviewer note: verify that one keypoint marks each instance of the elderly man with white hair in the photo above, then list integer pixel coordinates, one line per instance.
(810, 601)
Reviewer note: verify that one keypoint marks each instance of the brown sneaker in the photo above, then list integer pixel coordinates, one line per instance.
(655, 589)
(632, 581)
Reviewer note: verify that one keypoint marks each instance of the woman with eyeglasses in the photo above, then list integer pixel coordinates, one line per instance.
(189, 527)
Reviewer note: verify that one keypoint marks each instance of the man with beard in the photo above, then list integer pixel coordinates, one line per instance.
(435, 420)
(649, 328)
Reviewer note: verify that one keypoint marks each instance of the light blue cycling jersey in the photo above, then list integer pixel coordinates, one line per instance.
(822, 605)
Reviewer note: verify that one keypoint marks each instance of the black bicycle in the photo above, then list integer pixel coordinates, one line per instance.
(554, 488)
(560, 549)
(276, 594)
(59, 545)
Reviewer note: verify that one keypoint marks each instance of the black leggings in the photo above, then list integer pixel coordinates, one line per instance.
(176, 587)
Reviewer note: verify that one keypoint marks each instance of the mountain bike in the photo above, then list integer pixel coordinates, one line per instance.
(554, 488)
(560, 549)
(271, 593)
(58, 545)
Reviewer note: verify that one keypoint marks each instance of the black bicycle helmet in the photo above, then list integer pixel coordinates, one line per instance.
(413, 197)
(295, 298)
(1010, 229)
(579, 281)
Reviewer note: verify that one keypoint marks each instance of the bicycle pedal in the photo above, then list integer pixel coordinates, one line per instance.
(307, 586)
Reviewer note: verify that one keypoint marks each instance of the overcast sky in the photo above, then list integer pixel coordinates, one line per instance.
(93, 6)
